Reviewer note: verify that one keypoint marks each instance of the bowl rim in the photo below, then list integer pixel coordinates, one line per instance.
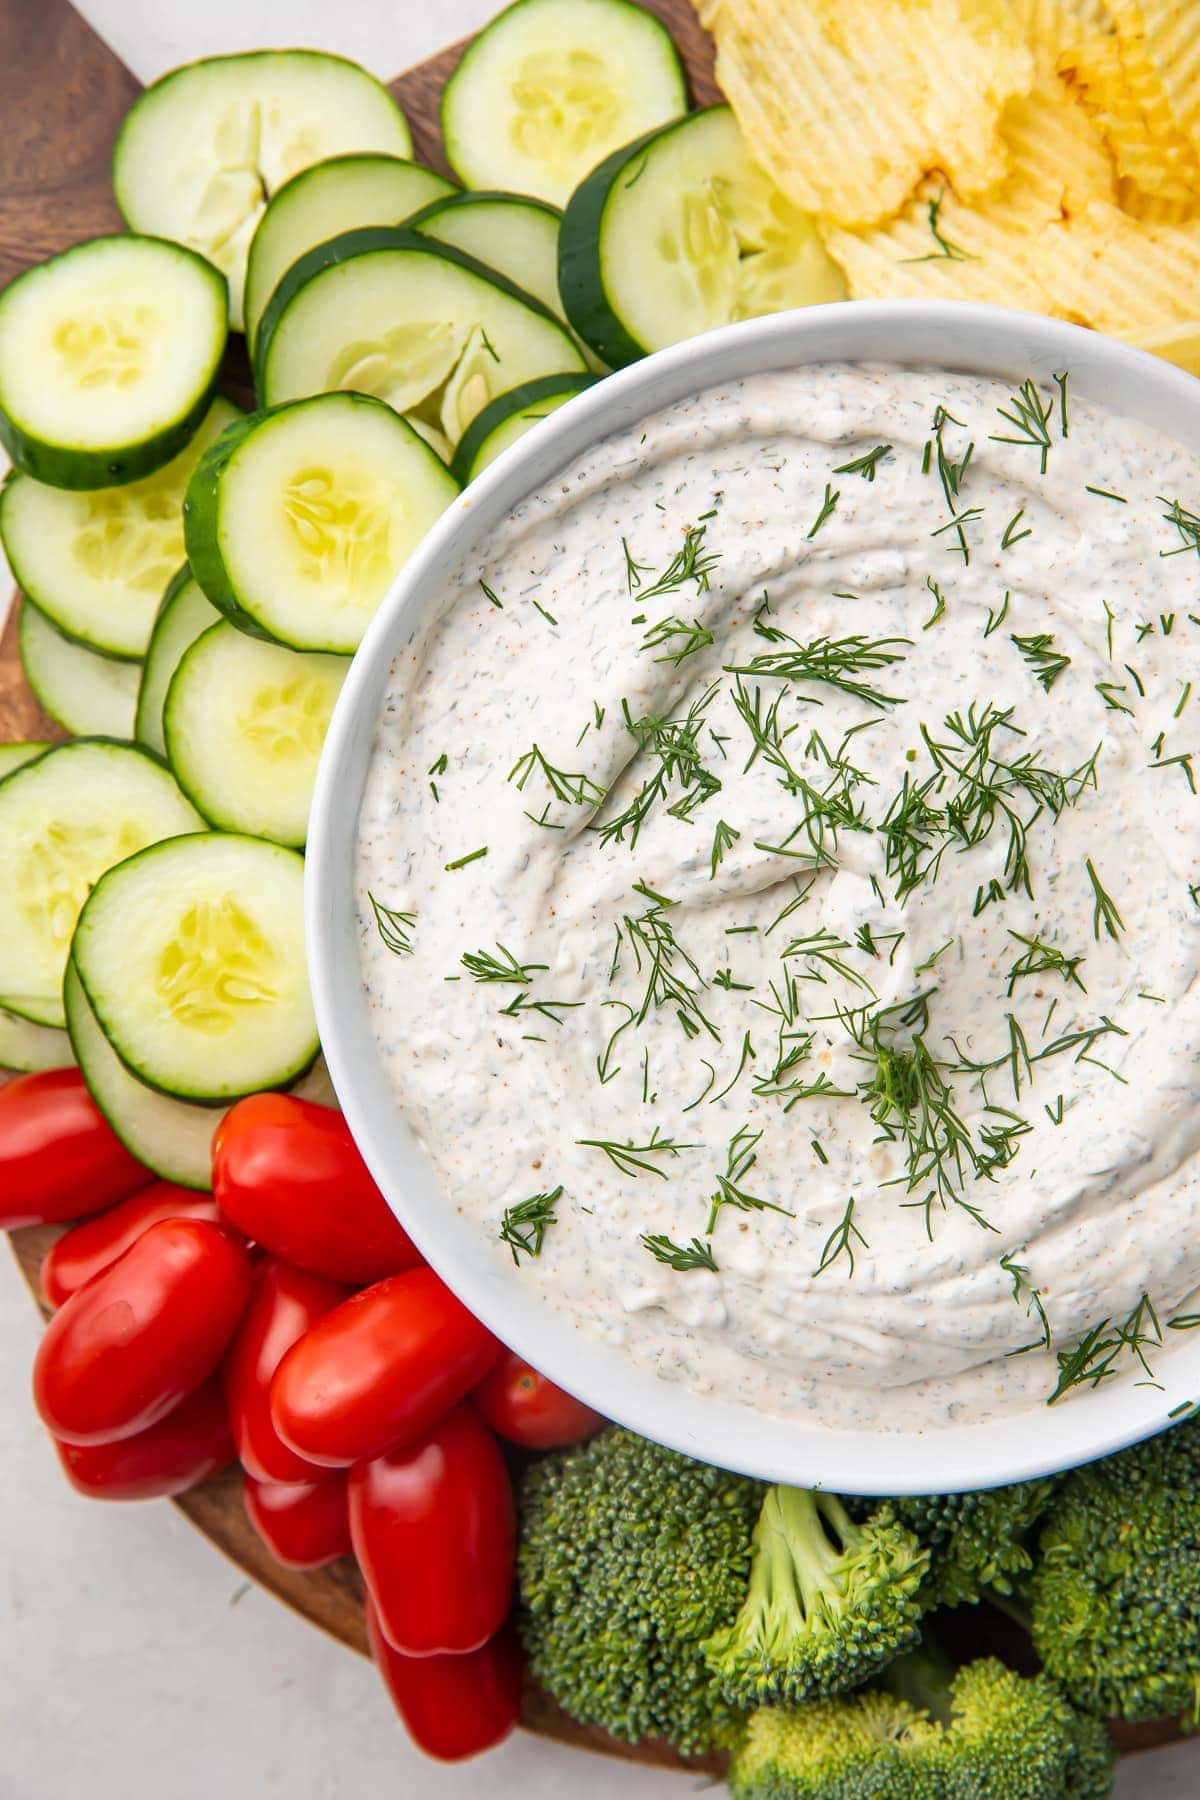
(939, 1457)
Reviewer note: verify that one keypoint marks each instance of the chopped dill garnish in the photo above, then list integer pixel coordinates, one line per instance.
(946, 250)
(1046, 662)
(574, 788)
(828, 507)
(840, 1241)
(1105, 494)
(740, 1157)
(997, 618)
(1011, 534)
(1105, 910)
(1186, 523)
(680, 1257)
(939, 602)
(1039, 958)
(1029, 416)
(865, 465)
(1023, 1290)
(724, 838)
(636, 1159)
(1094, 1359)
(481, 965)
(683, 637)
(832, 662)
(523, 1227)
(393, 927)
(460, 862)
(490, 594)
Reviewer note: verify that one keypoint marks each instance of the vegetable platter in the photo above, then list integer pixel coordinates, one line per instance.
(67, 97)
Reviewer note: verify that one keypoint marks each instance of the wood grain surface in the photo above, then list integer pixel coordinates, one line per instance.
(63, 95)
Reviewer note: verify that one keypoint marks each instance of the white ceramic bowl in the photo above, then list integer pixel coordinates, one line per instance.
(983, 340)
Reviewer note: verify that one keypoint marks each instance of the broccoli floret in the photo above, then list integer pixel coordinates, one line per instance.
(630, 1557)
(1115, 1597)
(1090, 1776)
(829, 1602)
(983, 1734)
(860, 1747)
(976, 1541)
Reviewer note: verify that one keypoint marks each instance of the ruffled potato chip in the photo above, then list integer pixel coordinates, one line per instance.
(848, 103)
(1160, 47)
(1122, 275)
(1178, 344)
(991, 249)
(1120, 88)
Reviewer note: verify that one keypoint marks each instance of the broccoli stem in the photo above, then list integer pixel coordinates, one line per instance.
(799, 1541)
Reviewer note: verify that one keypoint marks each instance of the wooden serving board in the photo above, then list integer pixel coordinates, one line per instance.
(63, 95)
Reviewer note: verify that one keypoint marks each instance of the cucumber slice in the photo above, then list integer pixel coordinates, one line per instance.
(516, 236)
(182, 616)
(319, 203)
(551, 87)
(96, 563)
(244, 724)
(109, 356)
(298, 519)
(64, 820)
(15, 756)
(681, 232)
(172, 1137)
(509, 417)
(26, 1047)
(88, 695)
(204, 148)
(415, 323)
(191, 954)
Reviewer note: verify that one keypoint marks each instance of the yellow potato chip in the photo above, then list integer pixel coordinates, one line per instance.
(1160, 45)
(1120, 89)
(1122, 275)
(1055, 29)
(1178, 344)
(849, 103)
(990, 248)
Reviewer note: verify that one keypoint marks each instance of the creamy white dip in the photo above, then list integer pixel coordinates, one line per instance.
(1034, 888)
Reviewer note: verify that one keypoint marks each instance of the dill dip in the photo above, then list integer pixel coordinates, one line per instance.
(777, 886)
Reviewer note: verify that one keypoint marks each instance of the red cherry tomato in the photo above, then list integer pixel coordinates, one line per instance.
(288, 1174)
(453, 1706)
(304, 1524)
(285, 1304)
(186, 1447)
(59, 1157)
(434, 1531)
(527, 1408)
(379, 1370)
(86, 1249)
(142, 1335)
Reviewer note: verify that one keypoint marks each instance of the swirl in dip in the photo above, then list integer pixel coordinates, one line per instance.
(775, 891)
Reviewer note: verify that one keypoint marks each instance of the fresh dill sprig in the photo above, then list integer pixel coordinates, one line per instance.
(575, 788)
(674, 744)
(946, 250)
(680, 1257)
(548, 1009)
(840, 1241)
(685, 637)
(1104, 913)
(1023, 1290)
(1097, 1356)
(460, 862)
(691, 562)
(1046, 662)
(724, 838)
(828, 508)
(865, 465)
(832, 662)
(671, 976)
(481, 965)
(939, 603)
(523, 1227)
(741, 1156)
(1011, 535)
(1186, 523)
(1029, 415)
(1039, 958)
(637, 1159)
(394, 927)
(821, 953)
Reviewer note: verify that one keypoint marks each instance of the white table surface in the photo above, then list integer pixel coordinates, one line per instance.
(135, 1663)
